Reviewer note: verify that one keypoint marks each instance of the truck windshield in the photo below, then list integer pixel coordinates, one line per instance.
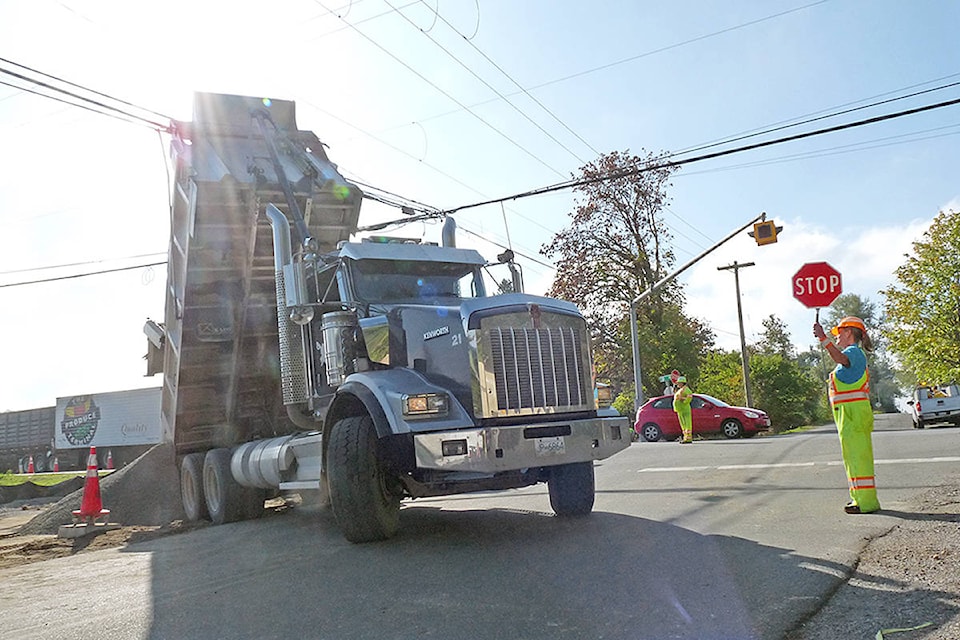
(405, 281)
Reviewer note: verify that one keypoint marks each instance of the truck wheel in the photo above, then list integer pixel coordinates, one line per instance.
(224, 495)
(365, 500)
(191, 488)
(571, 489)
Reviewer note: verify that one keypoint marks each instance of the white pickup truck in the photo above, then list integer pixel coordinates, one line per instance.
(939, 403)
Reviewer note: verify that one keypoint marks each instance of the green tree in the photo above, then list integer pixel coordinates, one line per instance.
(785, 390)
(776, 338)
(721, 376)
(782, 385)
(615, 248)
(923, 307)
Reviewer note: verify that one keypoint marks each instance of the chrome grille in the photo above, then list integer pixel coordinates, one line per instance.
(537, 369)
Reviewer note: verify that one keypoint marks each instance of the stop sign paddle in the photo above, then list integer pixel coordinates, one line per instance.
(816, 285)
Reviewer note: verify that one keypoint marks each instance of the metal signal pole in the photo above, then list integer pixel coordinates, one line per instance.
(744, 358)
(637, 381)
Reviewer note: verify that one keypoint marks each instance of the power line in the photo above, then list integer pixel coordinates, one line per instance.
(810, 120)
(34, 81)
(717, 154)
(87, 89)
(76, 264)
(82, 275)
(645, 54)
(485, 83)
(72, 104)
(446, 94)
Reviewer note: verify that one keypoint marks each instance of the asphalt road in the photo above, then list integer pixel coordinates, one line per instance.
(723, 539)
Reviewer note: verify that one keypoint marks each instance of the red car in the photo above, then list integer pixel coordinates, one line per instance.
(656, 419)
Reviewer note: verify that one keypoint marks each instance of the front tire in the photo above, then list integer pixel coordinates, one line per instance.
(651, 432)
(732, 428)
(191, 488)
(364, 498)
(572, 488)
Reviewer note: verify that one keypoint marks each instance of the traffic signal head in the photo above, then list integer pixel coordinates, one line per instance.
(765, 232)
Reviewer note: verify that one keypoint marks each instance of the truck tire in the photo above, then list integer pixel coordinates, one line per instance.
(364, 498)
(572, 489)
(223, 495)
(191, 488)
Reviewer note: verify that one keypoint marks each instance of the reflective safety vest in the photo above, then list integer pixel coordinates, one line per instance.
(841, 392)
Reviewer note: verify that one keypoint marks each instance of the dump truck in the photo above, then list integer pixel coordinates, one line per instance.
(24, 436)
(357, 374)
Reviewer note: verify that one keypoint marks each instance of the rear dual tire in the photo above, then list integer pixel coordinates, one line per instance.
(208, 490)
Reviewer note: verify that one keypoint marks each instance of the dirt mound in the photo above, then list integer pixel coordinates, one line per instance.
(146, 492)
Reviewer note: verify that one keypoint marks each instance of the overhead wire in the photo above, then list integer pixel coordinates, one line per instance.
(486, 84)
(717, 154)
(77, 264)
(516, 84)
(854, 147)
(81, 275)
(464, 107)
(675, 45)
(775, 128)
(113, 108)
(74, 104)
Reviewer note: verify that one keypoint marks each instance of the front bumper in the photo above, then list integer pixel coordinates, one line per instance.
(505, 448)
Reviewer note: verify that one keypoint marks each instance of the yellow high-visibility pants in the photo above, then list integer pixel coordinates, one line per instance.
(855, 426)
(686, 422)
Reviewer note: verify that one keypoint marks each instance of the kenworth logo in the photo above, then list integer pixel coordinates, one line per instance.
(436, 333)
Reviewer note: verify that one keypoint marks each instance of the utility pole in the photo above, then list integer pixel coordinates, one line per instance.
(744, 358)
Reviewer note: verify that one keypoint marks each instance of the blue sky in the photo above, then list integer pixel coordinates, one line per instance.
(456, 102)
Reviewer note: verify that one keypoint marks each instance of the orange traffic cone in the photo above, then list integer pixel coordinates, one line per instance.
(109, 459)
(30, 467)
(90, 506)
(56, 464)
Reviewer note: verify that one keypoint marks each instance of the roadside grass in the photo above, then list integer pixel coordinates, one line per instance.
(42, 479)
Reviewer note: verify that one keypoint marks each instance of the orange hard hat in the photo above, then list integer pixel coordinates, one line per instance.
(849, 321)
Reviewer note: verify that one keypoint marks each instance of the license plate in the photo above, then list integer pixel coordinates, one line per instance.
(554, 446)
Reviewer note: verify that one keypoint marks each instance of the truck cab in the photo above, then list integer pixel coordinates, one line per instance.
(363, 373)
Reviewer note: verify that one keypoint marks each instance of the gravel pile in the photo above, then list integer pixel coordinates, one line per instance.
(145, 492)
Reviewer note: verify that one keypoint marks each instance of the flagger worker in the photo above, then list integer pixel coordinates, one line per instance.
(681, 404)
(849, 388)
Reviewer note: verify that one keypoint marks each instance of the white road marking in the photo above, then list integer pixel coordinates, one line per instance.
(781, 465)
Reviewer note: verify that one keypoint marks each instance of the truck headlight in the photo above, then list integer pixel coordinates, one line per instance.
(425, 404)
